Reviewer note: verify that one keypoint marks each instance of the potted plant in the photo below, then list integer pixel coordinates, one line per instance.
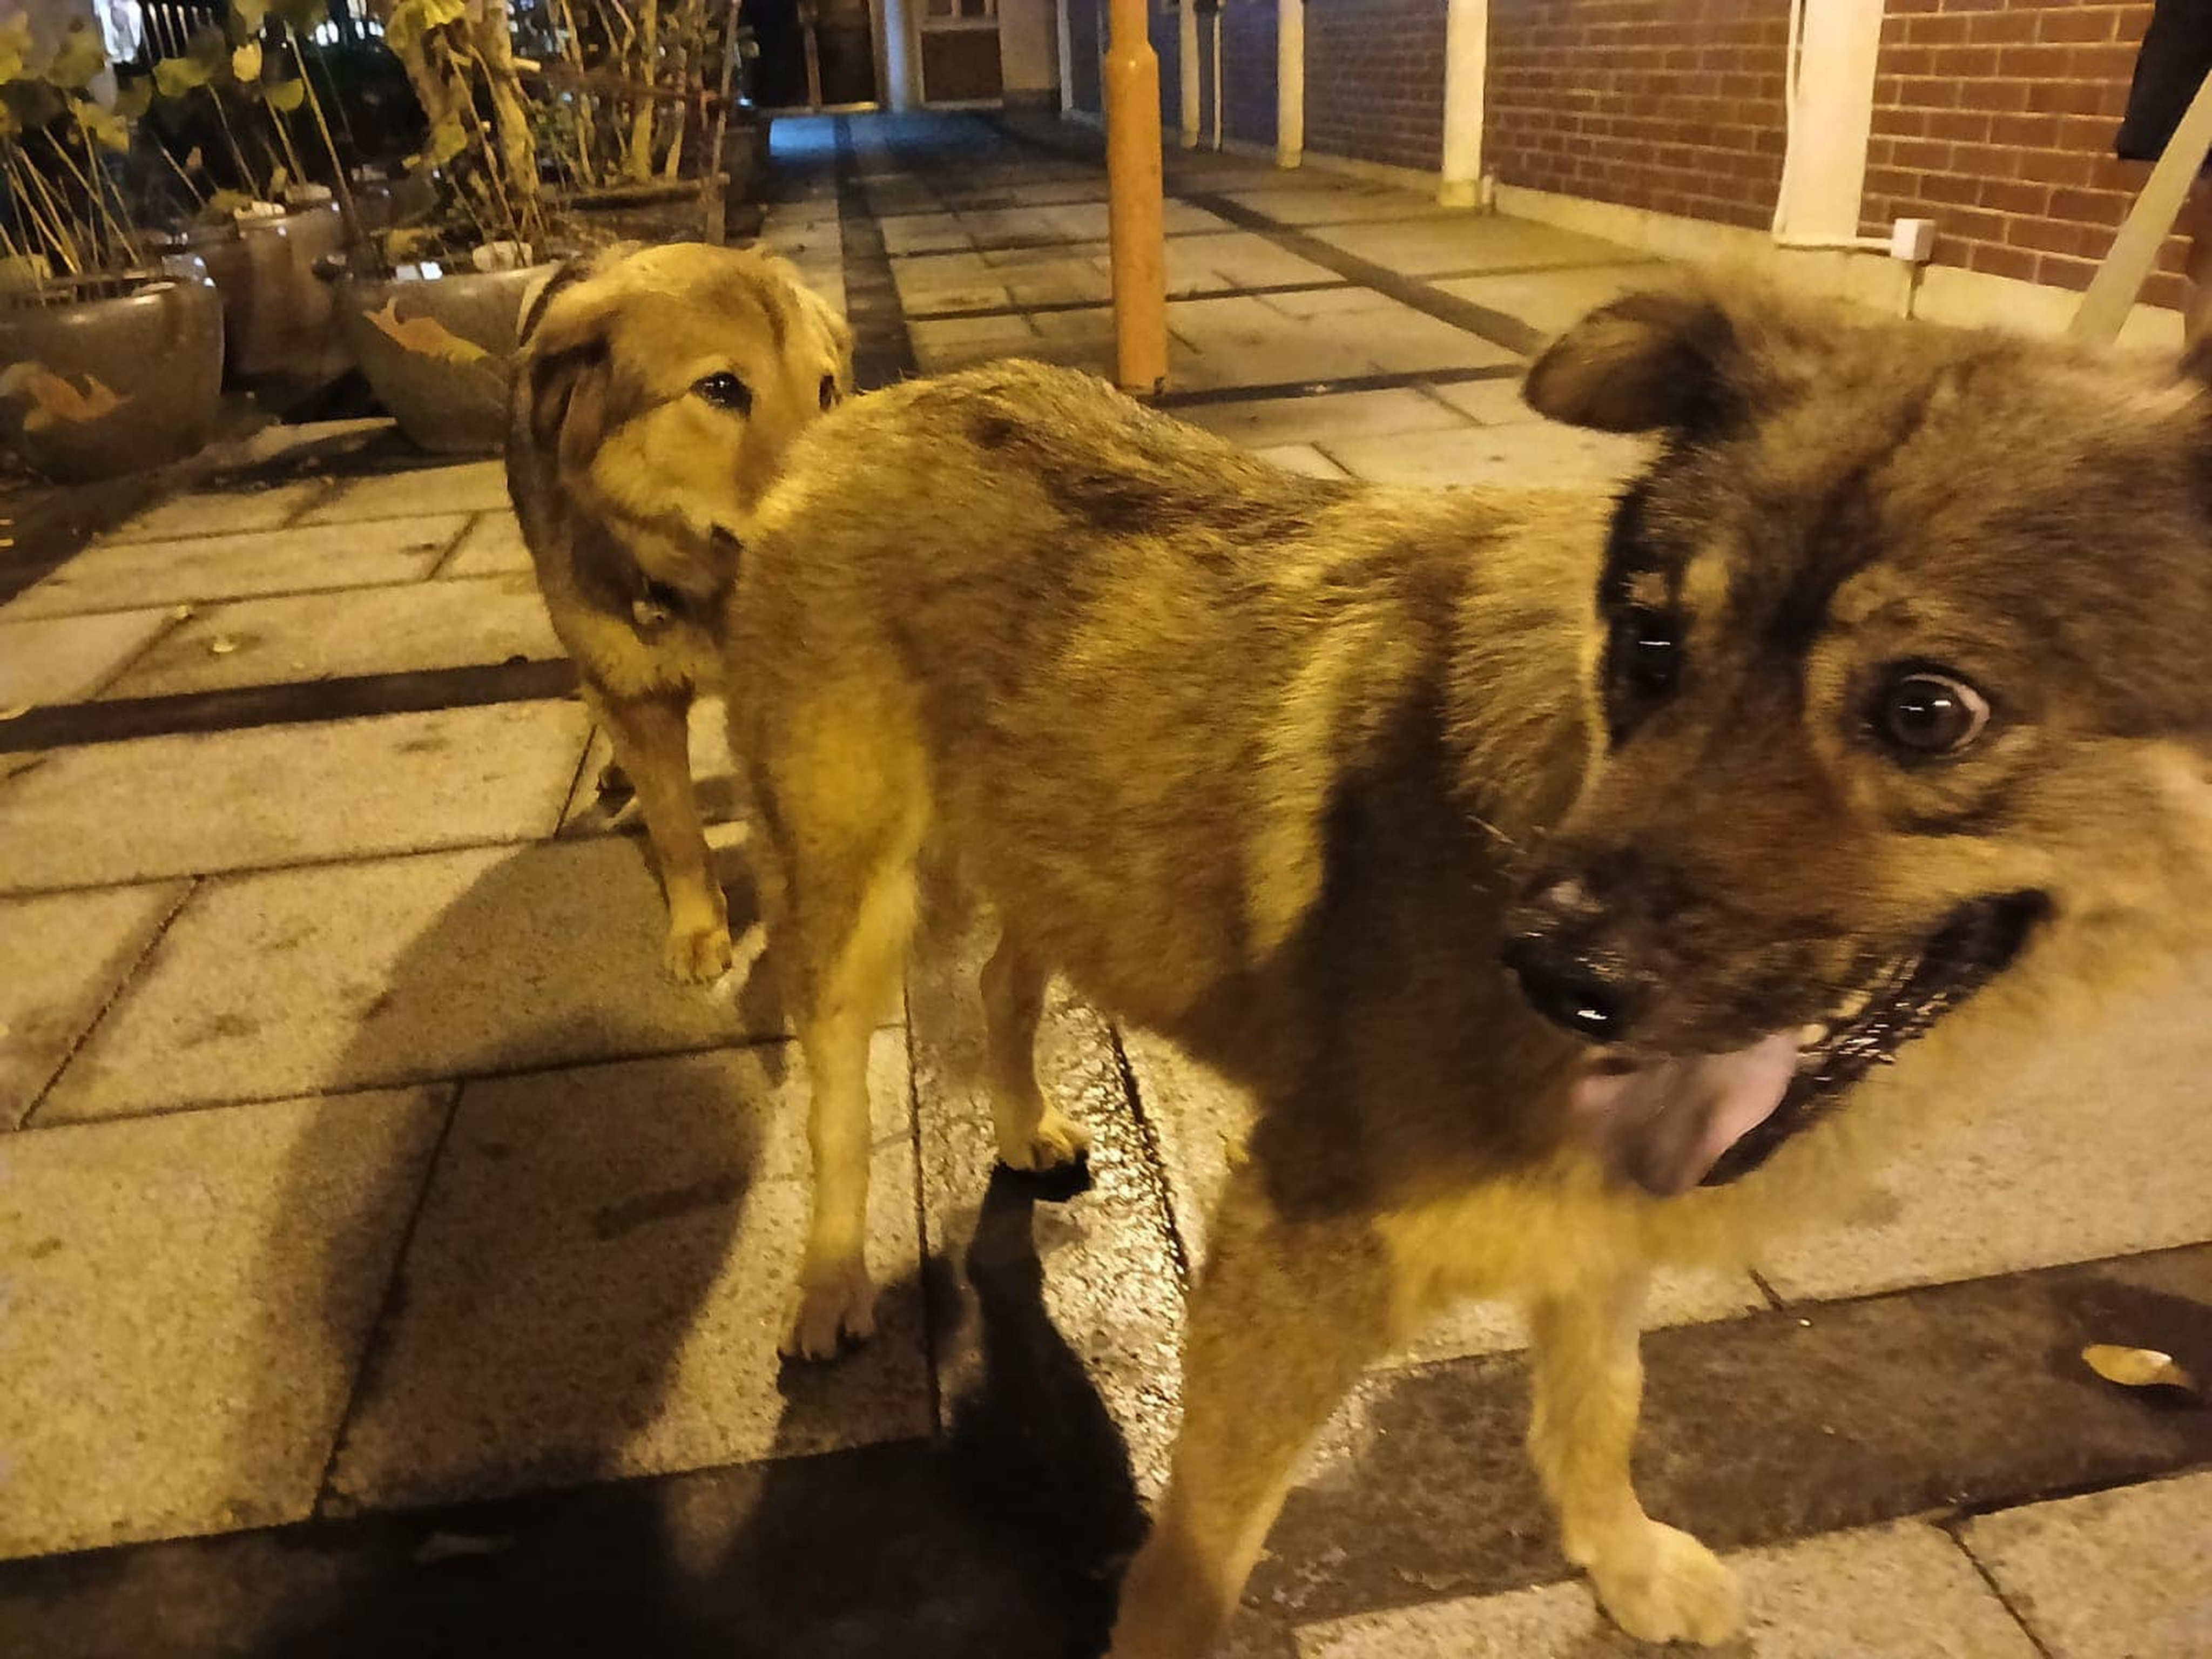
(433, 315)
(109, 363)
(229, 109)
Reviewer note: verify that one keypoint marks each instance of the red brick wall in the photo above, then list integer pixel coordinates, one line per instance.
(1996, 118)
(1248, 70)
(1375, 80)
(1651, 103)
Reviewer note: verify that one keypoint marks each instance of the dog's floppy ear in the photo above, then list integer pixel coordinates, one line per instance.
(1663, 360)
(560, 386)
(833, 330)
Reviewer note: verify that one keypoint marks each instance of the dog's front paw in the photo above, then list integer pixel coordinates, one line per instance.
(698, 953)
(1662, 1585)
(1056, 1142)
(833, 1307)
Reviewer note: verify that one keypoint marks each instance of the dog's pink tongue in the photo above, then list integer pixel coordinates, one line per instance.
(1664, 1123)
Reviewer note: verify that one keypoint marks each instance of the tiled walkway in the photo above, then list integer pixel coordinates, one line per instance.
(389, 1257)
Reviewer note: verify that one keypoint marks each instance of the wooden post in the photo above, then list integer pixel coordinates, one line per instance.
(1134, 212)
(1289, 82)
(1466, 42)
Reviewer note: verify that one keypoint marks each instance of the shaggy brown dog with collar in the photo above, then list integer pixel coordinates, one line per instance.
(656, 392)
(1553, 872)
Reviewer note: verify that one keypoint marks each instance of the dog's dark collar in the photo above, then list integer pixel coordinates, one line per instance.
(658, 604)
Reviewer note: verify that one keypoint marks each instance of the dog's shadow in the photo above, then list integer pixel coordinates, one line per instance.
(538, 1300)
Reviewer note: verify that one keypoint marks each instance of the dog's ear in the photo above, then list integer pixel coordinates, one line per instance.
(562, 379)
(1663, 360)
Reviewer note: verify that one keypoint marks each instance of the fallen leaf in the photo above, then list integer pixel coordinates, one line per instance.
(16, 712)
(181, 613)
(425, 336)
(54, 399)
(2136, 1368)
(221, 646)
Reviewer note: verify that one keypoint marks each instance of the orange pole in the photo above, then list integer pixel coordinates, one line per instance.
(1134, 217)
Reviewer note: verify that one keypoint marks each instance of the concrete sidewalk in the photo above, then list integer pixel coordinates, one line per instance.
(390, 1258)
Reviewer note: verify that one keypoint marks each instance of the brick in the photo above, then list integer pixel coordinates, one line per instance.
(2002, 261)
(2078, 22)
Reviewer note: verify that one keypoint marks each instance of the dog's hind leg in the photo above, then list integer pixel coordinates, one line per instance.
(1284, 1317)
(1033, 1133)
(1657, 1582)
(652, 744)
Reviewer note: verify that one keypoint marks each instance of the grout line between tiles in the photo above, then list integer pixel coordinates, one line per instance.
(2004, 1599)
(124, 983)
(387, 1308)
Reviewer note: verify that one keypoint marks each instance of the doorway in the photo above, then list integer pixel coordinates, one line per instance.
(814, 55)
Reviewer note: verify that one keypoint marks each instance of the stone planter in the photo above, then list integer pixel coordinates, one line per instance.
(436, 351)
(106, 375)
(277, 315)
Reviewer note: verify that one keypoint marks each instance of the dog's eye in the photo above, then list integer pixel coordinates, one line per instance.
(829, 391)
(1647, 650)
(1924, 713)
(725, 390)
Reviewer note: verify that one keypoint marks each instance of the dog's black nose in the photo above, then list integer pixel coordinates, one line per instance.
(1575, 995)
(1556, 948)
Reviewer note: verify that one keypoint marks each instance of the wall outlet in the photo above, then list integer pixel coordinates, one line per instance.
(1912, 240)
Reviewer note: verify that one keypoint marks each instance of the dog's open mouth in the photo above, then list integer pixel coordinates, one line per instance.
(1671, 1123)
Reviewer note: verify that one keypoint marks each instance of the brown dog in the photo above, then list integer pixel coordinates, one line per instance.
(654, 396)
(1873, 706)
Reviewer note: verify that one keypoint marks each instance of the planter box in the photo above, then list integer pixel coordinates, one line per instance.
(437, 352)
(104, 376)
(277, 315)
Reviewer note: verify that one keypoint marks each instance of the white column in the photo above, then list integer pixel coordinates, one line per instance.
(1067, 56)
(1187, 58)
(1466, 52)
(1289, 82)
(1824, 170)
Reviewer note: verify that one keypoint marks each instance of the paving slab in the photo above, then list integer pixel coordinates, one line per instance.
(1761, 1431)
(1092, 1267)
(218, 512)
(1525, 456)
(1553, 301)
(1330, 419)
(960, 343)
(1236, 258)
(1901, 1592)
(376, 630)
(2092, 1145)
(1304, 458)
(188, 1298)
(1342, 205)
(597, 1285)
(1469, 244)
(280, 794)
(67, 658)
(400, 969)
(1490, 403)
(475, 487)
(924, 233)
(1239, 341)
(2114, 1575)
(62, 957)
(205, 568)
(492, 545)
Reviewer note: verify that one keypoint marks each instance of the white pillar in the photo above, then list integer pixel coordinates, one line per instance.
(1824, 170)
(1466, 52)
(1289, 82)
(1187, 58)
(1067, 58)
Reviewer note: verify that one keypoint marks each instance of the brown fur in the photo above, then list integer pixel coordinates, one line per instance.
(636, 497)
(1262, 762)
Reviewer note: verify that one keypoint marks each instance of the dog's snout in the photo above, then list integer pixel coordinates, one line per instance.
(1552, 949)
